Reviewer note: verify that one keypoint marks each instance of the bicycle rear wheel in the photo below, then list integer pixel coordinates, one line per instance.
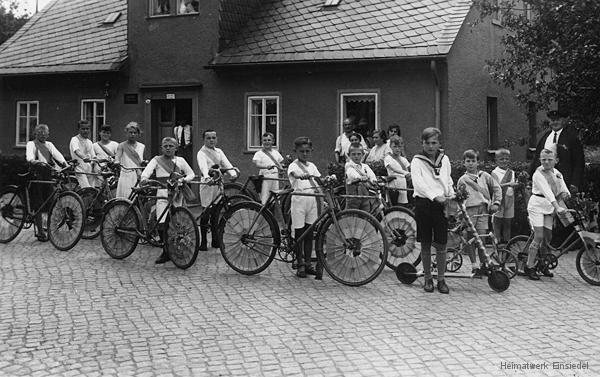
(12, 214)
(92, 202)
(182, 238)
(518, 246)
(401, 232)
(66, 220)
(356, 253)
(119, 234)
(249, 238)
(588, 264)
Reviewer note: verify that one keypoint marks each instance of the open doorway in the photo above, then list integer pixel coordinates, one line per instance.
(173, 117)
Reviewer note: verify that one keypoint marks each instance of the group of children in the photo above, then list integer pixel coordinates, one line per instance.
(429, 170)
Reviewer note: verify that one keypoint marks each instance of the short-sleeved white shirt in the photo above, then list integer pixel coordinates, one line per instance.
(261, 158)
(300, 185)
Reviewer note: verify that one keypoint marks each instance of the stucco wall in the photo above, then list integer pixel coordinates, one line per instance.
(310, 103)
(59, 99)
(469, 86)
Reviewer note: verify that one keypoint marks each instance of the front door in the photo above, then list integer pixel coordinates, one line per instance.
(166, 115)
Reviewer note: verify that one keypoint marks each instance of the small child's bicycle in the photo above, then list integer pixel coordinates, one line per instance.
(498, 279)
(455, 255)
(124, 225)
(586, 243)
(350, 244)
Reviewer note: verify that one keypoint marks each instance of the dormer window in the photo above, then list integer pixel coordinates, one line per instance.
(173, 7)
(331, 3)
(111, 18)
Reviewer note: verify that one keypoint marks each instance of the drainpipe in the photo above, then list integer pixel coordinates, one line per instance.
(436, 80)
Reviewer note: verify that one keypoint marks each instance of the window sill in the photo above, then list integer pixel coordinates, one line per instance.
(161, 16)
(20, 146)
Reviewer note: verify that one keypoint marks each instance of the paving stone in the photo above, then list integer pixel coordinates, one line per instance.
(83, 313)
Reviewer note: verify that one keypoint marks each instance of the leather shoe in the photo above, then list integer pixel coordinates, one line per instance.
(301, 272)
(530, 272)
(546, 272)
(442, 287)
(42, 237)
(203, 247)
(310, 270)
(215, 244)
(428, 287)
(163, 258)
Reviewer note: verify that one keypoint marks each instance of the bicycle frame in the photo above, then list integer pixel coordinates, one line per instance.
(135, 201)
(332, 209)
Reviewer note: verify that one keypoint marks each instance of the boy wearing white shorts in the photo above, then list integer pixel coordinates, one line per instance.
(548, 186)
(304, 209)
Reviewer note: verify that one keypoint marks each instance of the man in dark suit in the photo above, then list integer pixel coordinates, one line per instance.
(571, 161)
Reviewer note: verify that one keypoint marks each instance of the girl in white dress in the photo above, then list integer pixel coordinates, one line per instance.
(380, 148)
(397, 166)
(130, 155)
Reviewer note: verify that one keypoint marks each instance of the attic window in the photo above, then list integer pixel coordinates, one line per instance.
(331, 3)
(111, 18)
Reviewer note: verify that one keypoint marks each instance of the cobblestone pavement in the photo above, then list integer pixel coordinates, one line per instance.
(82, 313)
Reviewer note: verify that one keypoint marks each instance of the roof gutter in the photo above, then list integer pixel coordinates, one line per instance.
(217, 66)
(436, 80)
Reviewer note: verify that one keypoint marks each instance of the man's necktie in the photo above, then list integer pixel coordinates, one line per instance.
(555, 139)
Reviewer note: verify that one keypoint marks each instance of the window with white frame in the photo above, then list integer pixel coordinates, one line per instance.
(173, 7)
(362, 109)
(94, 111)
(27, 119)
(263, 116)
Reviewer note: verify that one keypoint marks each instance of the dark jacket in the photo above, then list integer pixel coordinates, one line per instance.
(571, 162)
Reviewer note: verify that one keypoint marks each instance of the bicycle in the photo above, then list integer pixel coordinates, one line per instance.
(498, 279)
(94, 198)
(211, 215)
(586, 243)
(350, 244)
(454, 255)
(66, 215)
(123, 225)
(398, 223)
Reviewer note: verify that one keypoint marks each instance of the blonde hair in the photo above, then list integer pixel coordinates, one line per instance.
(502, 152)
(547, 152)
(169, 139)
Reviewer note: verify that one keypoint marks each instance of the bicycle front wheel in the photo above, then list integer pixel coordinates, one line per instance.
(92, 202)
(12, 214)
(588, 264)
(182, 238)
(400, 230)
(249, 238)
(355, 251)
(507, 262)
(119, 234)
(66, 221)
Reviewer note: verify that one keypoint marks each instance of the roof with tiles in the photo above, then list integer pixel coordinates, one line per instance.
(287, 31)
(68, 36)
